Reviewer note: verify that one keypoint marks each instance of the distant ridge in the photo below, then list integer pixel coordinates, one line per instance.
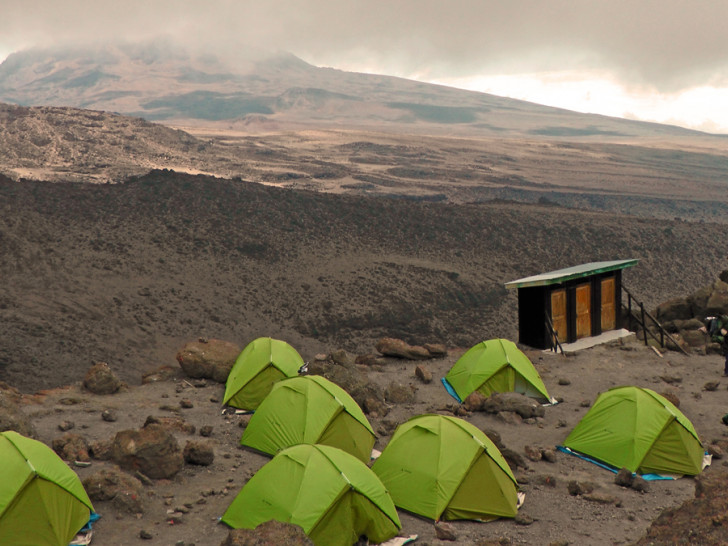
(160, 81)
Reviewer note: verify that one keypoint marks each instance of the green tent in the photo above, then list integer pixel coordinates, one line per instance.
(332, 495)
(42, 501)
(496, 365)
(309, 410)
(263, 362)
(638, 429)
(442, 467)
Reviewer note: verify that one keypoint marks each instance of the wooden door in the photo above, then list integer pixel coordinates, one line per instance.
(609, 311)
(558, 313)
(583, 310)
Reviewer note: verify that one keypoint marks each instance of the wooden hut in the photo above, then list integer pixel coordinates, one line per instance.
(575, 302)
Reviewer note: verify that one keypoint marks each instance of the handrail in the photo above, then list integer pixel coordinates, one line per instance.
(553, 335)
(643, 322)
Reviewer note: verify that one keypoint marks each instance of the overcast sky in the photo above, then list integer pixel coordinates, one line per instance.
(658, 60)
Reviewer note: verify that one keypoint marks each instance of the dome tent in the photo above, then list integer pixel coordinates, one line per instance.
(636, 428)
(331, 495)
(42, 501)
(496, 365)
(263, 362)
(442, 467)
(309, 410)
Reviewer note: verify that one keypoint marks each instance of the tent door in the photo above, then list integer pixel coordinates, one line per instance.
(583, 310)
(609, 314)
(558, 313)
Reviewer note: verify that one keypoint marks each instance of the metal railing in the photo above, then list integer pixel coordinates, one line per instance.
(554, 343)
(641, 316)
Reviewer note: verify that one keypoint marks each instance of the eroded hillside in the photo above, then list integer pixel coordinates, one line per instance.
(125, 273)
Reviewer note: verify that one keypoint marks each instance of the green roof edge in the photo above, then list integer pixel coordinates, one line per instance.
(575, 272)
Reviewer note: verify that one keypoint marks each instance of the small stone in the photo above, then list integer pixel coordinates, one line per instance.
(640, 484)
(549, 455)
(461, 411)
(523, 519)
(199, 453)
(66, 425)
(547, 480)
(186, 404)
(533, 453)
(445, 531)
(206, 431)
(711, 386)
(423, 374)
(145, 535)
(564, 381)
(108, 415)
(600, 499)
(585, 403)
(576, 487)
(624, 477)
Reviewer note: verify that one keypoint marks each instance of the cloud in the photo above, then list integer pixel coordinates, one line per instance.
(661, 45)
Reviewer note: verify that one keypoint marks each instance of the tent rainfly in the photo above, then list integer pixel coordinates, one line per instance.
(442, 467)
(496, 365)
(331, 495)
(42, 501)
(263, 362)
(636, 428)
(309, 409)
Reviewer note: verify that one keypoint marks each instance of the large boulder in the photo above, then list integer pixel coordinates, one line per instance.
(718, 301)
(152, 450)
(125, 491)
(346, 375)
(699, 301)
(694, 338)
(674, 309)
(100, 379)
(208, 358)
(514, 402)
(396, 347)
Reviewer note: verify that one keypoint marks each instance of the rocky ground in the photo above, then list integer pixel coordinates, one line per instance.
(568, 501)
(128, 273)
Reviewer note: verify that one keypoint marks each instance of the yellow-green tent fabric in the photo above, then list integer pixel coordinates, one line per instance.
(309, 409)
(42, 501)
(442, 467)
(636, 428)
(263, 362)
(331, 495)
(496, 365)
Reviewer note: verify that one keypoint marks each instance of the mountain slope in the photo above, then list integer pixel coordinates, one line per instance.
(161, 81)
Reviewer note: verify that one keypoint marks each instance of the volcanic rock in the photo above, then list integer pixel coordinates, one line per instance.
(208, 358)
